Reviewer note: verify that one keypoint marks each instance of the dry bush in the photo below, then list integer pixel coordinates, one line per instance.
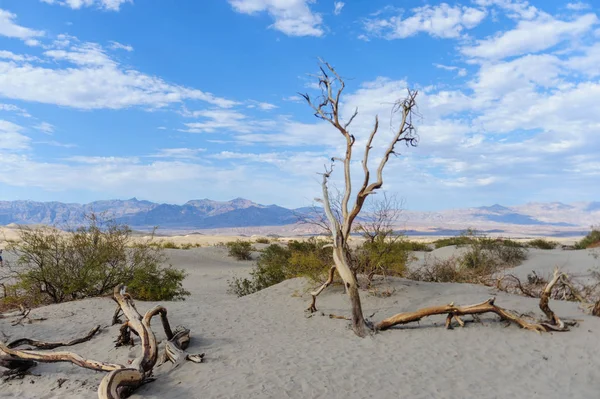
(591, 240)
(54, 266)
(483, 258)
(541, 243)
(241, 250)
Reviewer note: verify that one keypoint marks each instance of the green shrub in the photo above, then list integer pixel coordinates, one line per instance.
(416, 246)
(262, 240)
(277, 263)
(90, 261)
(541, 243)
(169, 245)
(271, 268)
(241, 250)
(591, 240)
(383, 255)
(446, 242)
(483, 258)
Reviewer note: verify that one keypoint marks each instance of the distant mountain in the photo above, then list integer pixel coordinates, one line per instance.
(242, 213)
(195, 214)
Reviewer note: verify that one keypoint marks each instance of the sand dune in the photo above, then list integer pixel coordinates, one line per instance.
(264, 346)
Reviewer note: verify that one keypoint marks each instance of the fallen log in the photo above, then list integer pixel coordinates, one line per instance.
(455, 312)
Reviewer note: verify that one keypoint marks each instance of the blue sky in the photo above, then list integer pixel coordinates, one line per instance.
(170, 101)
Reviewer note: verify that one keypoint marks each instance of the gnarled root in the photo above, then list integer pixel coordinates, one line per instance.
(313, 305)
(554, 322)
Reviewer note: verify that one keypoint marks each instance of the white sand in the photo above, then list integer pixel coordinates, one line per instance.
(264, 346)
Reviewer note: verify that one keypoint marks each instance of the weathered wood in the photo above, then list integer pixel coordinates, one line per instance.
(489, 306)
(452, 311)
(55, 357)
(52, 345)
(313, 305)
(553, 319)
(121, 380)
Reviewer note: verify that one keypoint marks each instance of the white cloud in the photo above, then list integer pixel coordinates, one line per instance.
(88, 54)
(55, 143)
(442, 21)
(8, 55)
(516, 9)
(33, 42)
(262, 105)
(9, 28)
(97, 81)
(578, 6)
(459, 71)
(45, 127)
(226, 121)
(178, 153)
(119, 46)
(530, 37)
(292, 17)
(14, 108)
(112, 5)
(338, 6)
(10, 137)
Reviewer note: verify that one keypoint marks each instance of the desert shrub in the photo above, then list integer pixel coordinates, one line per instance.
(169, 245)
(241, 250)
(187, 245)
(90, 261)
(271, 268)
(441, 271)
(277, 263)
(541, 243)
(591, 240)
(262, 240)
(383, 255)
(416, 246)
(155, 283)
(446, 242)
(309, 259)
(483, 258)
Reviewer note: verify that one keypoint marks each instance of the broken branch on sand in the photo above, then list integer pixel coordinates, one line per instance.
(553, 324)
(121, 380)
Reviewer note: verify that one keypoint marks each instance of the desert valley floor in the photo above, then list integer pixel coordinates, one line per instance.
(264, 345)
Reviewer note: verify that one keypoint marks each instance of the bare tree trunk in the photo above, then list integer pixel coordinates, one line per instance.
(359, 325)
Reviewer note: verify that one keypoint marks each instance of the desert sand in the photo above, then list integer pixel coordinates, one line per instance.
(264, 345)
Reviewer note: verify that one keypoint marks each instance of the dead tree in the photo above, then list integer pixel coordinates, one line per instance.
(121, 380)
(327, 108)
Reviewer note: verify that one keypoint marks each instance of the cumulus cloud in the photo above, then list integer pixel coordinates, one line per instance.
(531, 37)
(442, 21)
(291, 17)
(10, 28)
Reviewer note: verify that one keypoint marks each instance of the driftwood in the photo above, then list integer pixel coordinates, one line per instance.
(52, 345)
(455, 312)
(121, 380)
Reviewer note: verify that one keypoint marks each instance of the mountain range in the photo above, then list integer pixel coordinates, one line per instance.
(239, 213)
